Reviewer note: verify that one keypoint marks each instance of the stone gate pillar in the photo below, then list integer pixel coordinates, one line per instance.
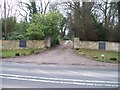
(47, 42)
(76, 43)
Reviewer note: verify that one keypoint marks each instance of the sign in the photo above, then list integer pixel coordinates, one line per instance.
(102, 45)
(22, 43)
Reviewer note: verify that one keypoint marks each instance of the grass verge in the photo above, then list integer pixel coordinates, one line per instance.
(100, 55)
(20, 52)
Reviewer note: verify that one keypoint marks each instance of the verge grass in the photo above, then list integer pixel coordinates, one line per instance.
(100, 55)
(21, 52)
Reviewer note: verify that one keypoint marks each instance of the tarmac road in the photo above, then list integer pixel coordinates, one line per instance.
(28, 75)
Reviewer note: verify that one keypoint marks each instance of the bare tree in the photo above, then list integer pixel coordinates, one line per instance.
(33, 7)
(43, 6)
(118, 4)
(81, 18)
(109, 12)
(23, 11)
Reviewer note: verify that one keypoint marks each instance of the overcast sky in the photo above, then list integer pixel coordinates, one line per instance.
(15, 8)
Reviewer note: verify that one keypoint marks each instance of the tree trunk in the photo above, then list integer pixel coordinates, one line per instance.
(106, 17)
(119, 13)
(5, 31)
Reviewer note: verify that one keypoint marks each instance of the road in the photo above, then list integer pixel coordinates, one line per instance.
(29, 75)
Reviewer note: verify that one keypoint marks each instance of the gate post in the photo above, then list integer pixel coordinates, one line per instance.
(47, 42)
(76, 43)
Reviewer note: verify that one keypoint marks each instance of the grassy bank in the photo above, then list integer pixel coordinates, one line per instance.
(100, 55)
(20, 52)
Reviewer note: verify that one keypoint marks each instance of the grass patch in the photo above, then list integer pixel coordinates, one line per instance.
(104, 56)
(20, 52)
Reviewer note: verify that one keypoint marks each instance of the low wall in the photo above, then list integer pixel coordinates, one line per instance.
(112, 46)
(14, 44)
(109, 46)
(35, 44)
(89, 45)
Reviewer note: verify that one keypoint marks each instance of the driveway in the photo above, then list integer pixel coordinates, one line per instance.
(63, 54)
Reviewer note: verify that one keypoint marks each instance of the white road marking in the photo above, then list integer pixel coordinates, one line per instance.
(59, 80)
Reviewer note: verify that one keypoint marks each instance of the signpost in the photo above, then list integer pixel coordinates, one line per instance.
(22, 43)
(102, 45)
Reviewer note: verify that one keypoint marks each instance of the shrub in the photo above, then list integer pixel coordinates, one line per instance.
(17, 54)
(31, 52)
(113, 58)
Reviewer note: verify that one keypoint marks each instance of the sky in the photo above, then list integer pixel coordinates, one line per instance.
(15, 7)
(11, 4)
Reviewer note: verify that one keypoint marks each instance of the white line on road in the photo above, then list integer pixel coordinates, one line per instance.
(60, 80)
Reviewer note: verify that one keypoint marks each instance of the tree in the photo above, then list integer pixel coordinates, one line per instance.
(109, 11)
(81, 22)
(10, 25)
(10, 14)
(19, 33)
(5, 30)
(118, 5)
(63, 26)
(34, 32)
(45, 26)
(33, 8)
(93, 20)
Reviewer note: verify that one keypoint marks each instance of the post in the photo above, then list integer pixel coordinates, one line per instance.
(5, 31)
(76, 43)
(47, 42)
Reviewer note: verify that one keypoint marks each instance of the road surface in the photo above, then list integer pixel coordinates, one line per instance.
(29, 75)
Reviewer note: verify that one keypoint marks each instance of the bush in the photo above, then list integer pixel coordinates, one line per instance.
(31, 52)
(54, 41)
(113, 59)
(34, 32)
(17, 54)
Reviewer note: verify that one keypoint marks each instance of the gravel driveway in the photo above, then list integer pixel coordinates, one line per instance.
(63, 54)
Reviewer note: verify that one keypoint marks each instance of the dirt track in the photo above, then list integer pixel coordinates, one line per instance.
(63, 54)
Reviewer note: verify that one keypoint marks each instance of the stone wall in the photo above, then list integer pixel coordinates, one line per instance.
(112, 46)
(14, 44)
(88, 45)
(10, 44)
(109, 46)
(35, 44)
